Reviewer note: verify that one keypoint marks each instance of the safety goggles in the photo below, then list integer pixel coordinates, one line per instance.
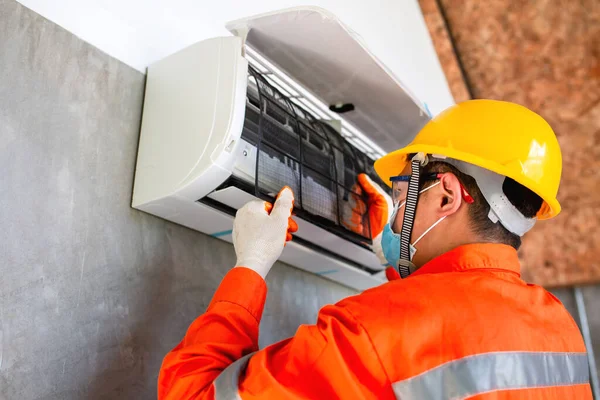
(400, 187)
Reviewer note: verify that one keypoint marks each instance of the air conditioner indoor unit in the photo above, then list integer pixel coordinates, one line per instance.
(231, 119)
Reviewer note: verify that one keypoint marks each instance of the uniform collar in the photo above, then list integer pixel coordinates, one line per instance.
(474, 256)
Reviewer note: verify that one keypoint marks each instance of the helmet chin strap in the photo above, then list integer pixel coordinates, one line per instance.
(405, 266)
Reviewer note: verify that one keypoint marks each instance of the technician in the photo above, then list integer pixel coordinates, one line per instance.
(459, 324)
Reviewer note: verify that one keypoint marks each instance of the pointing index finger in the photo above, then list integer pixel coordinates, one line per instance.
(284, 203)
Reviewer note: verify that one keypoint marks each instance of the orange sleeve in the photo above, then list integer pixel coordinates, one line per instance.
(219, 358)
(226, 332)
(330, 360)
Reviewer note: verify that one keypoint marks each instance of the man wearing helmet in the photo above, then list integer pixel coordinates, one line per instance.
(459, 324)
(501, 158)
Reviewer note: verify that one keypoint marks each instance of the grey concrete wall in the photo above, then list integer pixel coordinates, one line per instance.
(93, 293)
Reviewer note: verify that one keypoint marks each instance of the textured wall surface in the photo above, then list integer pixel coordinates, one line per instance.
(93, 293)
(545, 55)
(442, 42)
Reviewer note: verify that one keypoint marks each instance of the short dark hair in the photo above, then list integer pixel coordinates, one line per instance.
(527, 202)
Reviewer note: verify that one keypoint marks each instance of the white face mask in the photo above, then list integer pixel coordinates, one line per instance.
(412, 247)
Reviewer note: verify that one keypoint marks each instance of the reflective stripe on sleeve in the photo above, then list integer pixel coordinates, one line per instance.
(226, 384)
(491, 372)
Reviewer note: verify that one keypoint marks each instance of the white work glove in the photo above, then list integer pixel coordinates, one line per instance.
(261, 230)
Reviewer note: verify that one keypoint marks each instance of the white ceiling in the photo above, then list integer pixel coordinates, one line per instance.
(139, 32)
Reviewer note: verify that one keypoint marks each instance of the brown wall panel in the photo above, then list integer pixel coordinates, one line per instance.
(545, 55)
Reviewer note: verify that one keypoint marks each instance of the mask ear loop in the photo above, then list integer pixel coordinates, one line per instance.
(405, 266)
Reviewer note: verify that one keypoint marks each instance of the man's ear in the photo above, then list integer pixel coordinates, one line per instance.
(450, 199)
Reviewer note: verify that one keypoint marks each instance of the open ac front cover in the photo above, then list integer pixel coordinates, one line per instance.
(218, 132)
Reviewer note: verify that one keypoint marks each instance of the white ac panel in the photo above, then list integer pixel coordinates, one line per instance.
(213, 139)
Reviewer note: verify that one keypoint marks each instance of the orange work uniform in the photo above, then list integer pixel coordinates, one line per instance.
(462, 326)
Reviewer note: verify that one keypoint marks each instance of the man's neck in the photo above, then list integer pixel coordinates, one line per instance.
(449, 243)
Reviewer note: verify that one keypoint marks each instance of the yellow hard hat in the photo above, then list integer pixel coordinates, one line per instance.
(502, 137)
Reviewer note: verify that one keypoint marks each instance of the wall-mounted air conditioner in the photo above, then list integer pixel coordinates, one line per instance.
(235, 118)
